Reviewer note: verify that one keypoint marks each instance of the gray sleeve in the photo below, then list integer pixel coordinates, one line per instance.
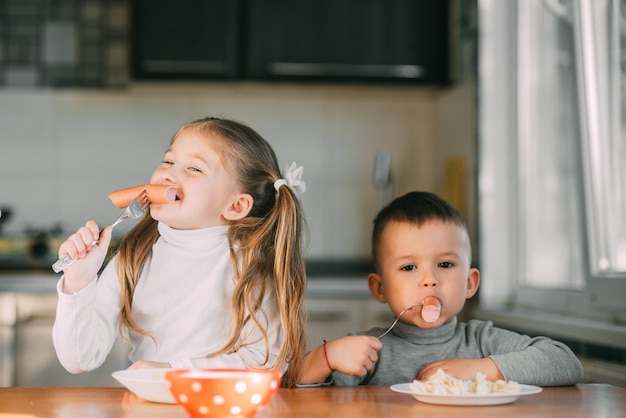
(340, 379)
(537, 361)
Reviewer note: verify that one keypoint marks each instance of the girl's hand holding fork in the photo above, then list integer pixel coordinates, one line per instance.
(89, 258)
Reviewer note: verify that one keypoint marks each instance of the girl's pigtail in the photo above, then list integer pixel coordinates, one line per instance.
(290, 283)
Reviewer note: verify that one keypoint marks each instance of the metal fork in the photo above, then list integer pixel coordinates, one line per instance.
(398, 318)
(135, 209)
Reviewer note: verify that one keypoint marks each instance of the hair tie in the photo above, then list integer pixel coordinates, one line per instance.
(279, 182)
(292, 178)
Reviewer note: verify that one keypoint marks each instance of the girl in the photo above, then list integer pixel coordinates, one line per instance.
(215, 279)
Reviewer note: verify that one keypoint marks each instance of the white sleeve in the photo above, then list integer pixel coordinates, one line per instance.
(86, 324)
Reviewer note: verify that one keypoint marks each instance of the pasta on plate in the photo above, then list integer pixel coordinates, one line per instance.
(443, 384)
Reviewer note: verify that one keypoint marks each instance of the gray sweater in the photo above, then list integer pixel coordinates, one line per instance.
(406, 349)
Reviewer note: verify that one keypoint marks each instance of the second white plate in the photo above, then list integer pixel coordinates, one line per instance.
(149, 384)
(467, 399)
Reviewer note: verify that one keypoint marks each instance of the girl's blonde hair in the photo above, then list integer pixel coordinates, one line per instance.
(266, 245)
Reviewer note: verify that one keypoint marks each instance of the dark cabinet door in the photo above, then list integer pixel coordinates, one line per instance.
(186, 38)
(385, 40)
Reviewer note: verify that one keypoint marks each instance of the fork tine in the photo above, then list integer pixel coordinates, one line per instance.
(142, 199)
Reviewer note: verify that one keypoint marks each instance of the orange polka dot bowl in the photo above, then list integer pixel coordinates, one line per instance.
(212, 393)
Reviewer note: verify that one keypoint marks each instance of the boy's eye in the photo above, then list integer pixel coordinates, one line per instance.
(408, 267)
(446, 264)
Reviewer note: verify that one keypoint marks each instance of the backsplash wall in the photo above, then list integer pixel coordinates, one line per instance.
(64, 151)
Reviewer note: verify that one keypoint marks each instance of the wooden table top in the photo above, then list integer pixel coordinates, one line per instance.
(583, 400)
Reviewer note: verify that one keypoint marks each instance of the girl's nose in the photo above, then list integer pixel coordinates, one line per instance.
(169, 175)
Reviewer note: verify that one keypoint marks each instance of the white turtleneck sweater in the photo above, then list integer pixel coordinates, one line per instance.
(183, 298)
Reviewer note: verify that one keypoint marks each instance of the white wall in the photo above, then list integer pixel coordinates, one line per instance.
(63, 151)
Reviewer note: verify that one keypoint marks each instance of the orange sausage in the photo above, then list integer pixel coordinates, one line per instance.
(431, 309)
(157, 193)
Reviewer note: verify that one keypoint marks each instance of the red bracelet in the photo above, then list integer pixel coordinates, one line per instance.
(326, 357)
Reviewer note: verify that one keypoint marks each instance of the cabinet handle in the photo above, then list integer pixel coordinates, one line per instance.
(194, 67)
(358, 70)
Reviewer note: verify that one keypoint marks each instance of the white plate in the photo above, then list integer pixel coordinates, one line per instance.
(467, 399)
(149, 384)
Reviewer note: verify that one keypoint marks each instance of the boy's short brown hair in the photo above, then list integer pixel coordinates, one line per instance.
(415, 208)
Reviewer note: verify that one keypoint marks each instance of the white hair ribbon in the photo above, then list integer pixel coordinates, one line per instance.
(292, 177)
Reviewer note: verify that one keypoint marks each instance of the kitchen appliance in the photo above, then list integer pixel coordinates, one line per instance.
(5, 216)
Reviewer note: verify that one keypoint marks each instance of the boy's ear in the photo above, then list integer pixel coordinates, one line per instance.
(377, 289)
(473, 281)
(239, 208)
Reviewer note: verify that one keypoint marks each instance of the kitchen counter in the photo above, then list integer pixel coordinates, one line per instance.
(28, 282)
(584, 400)
(326, 279)
(317, 286)
(338, 279)
(338, 287)
(344, 286)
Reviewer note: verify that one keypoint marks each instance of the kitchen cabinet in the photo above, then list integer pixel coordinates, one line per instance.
(330, 318)
(64, 43)
(27, 356)
(35, 361)
(329, 40)
(367, 40)
(185, 39)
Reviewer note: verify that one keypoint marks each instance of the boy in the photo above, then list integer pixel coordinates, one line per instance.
(422, 255)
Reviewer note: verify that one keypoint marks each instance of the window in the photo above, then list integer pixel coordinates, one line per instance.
(548, 143)
(552, 159)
